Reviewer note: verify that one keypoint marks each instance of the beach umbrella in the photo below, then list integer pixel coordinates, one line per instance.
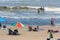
(51, 36)
(14, 24)
(18, 24)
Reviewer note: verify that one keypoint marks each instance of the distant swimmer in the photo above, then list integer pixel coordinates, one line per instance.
(40, 9)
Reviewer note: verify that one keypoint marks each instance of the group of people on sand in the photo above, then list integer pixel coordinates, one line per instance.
(33, 29)
(15, 32)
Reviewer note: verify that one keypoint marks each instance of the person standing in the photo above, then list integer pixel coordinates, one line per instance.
(52, 21)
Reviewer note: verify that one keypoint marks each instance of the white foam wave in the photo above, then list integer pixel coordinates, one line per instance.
(46, 8)
(32, 17)
(55, 9)
(31, 6)
(6, 13)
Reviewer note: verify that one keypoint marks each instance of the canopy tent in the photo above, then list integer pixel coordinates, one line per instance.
(18, 24)
(2, 20)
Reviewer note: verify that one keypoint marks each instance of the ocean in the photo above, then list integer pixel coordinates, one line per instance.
(31, 17)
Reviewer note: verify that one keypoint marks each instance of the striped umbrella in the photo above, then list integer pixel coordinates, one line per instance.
(18, 24)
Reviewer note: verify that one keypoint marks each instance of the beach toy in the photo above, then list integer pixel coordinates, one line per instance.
(51, 36)
(18, 24)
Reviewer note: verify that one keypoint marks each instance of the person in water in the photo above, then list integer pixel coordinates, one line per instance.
(52, 21)
(40, 9)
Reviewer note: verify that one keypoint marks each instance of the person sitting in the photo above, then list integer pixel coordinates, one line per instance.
(10, 32)
(35, 29)
(0, 24)
(15, 32)
(4, 26)
(50, 30)
(56, 31)
(30, 28)
(48, 38)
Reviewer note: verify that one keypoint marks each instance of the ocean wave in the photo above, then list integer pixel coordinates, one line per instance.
(46, 8)
(56, 9)
(32, 15)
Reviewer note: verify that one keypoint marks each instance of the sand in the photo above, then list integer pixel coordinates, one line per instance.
(42, 34)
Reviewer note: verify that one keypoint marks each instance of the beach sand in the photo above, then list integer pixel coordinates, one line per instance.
(42, 34)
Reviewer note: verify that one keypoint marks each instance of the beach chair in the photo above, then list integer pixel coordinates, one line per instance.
(10, 32)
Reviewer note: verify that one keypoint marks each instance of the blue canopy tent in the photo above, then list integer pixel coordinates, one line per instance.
(2, 20)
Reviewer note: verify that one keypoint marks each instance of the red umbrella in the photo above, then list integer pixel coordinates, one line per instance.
(19, 25)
